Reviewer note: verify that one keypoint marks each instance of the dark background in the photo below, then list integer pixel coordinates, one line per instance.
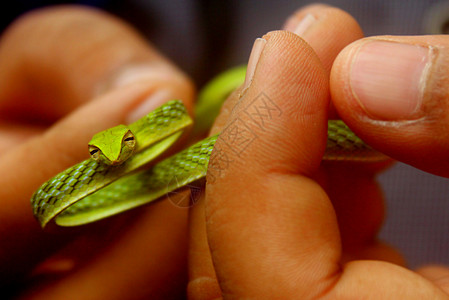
(205, 37)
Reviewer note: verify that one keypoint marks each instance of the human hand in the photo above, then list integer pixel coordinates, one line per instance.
(89, 71)
(278, 224)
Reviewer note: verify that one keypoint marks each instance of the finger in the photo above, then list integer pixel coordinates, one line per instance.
(139, 263)
(22, 173)
(265, 217)
(260, 234)
(136, 83)
(326, 29)
(359, 205)
(12, 134)
(53, 60)
(392, 91)
(320, 20)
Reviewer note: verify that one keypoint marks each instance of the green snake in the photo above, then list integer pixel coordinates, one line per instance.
(114, 179)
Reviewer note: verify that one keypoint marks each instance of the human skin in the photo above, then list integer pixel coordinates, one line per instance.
(311, 232)
(278, 224)
(53, 69)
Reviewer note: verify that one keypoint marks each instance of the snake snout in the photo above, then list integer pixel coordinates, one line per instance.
(115, 162)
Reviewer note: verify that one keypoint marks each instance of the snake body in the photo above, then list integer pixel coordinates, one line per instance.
(93, 190)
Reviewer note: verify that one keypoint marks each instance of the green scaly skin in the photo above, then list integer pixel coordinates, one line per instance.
(93, 190)
(154, 133)
(212, 96)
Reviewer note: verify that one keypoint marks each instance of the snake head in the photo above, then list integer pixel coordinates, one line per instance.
(112, 146)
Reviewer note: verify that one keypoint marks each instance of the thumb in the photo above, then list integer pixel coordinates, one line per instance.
(393, 92)
(272, 231)
(259, 199)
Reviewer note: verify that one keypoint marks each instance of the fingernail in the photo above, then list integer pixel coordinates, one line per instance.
(146, 72)
(258, 46)
(152, 102)
(388, 79)
(299, 27)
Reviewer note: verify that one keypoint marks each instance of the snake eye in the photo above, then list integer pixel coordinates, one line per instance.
(94, 152)
(129, 139)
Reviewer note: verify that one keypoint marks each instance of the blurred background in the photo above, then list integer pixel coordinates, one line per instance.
(204, 37)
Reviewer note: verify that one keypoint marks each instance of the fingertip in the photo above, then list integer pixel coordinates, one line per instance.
(392, 91)
(326, 28)
(386, 78)
(285, 93)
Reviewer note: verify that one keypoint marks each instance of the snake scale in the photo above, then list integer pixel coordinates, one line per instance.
(96, 188)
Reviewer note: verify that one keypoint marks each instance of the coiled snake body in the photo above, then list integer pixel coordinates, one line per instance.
(110, 181)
